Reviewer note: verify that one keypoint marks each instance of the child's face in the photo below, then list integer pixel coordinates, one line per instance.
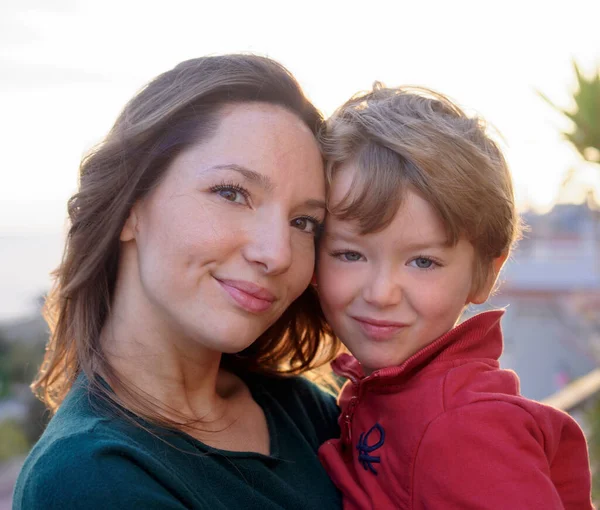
(390, 293)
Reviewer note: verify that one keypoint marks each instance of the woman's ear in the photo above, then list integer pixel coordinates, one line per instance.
(313, 280)
(481, 295)
(129, 230)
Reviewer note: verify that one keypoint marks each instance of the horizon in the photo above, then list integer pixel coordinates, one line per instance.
(21, 291)
(68, 68)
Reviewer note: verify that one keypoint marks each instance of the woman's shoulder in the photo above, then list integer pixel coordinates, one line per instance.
(82, 418)
(82, 458)
(93, 468)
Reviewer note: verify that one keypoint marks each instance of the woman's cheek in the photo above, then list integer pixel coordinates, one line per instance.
(304, 257)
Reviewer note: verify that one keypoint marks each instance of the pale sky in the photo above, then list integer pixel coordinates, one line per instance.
(67, 67)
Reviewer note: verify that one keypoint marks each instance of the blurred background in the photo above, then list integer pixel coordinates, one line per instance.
(530, 68)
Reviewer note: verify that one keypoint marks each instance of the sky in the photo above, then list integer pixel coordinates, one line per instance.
(67, 67)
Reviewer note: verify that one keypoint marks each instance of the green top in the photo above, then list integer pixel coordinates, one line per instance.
(91, 459)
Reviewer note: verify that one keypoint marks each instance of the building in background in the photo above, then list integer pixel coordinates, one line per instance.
(551, 291)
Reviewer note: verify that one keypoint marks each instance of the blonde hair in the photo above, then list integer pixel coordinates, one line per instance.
(414, 138)
(178, 108)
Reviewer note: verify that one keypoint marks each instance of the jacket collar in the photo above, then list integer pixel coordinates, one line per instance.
(478, 337)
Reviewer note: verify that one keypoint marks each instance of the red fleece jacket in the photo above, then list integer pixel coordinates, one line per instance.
(448, 429)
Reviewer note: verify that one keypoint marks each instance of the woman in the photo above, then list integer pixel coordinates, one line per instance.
(183, 299)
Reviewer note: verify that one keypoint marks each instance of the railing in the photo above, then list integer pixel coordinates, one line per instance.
(576, 393)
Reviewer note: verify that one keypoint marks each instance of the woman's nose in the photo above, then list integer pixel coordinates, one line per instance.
(270, 246)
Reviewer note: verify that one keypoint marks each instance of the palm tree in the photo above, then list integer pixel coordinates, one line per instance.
(585, 136)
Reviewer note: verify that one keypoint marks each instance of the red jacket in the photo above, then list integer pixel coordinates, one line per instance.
(448, 429)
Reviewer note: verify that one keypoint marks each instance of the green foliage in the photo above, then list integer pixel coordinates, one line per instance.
(4, 368)
(586, 116)
(593, 436)
(36, 420)
(19, 362)
(24, 360)
(12, 440)
(20, 359)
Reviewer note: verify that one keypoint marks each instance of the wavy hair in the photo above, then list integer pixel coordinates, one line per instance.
(414, 138)
(178, 108)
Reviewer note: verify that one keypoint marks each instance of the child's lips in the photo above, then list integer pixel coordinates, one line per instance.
(379, 329)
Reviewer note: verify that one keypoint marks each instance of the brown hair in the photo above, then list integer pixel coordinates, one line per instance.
(409, 137)
(175, 110)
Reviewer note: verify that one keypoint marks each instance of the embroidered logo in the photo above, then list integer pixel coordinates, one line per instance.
(364, 449)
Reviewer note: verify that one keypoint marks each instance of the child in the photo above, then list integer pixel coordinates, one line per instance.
(422, 218)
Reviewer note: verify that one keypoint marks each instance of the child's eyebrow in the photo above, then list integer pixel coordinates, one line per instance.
(340, 236)
(425, 245)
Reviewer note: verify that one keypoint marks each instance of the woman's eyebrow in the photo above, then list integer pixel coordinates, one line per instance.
(262, 180)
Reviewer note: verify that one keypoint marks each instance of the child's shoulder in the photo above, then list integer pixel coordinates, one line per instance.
(471, 387)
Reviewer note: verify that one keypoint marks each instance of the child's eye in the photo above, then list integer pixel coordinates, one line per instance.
(232, 193)
(306, 224)
(423, 263)
(347, 256)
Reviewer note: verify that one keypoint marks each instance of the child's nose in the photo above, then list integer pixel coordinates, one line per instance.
(383, 290)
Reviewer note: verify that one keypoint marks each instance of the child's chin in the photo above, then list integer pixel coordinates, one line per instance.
(373, 361)
(372, 365)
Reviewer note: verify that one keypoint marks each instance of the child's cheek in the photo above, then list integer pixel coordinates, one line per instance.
(332, 283)
(439, 307)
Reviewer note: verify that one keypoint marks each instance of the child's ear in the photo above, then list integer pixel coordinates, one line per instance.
(485, 290)
(129, 230)
(313, 280)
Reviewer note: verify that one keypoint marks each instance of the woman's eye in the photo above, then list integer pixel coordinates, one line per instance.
(306, 224)
(232, 193)
(423, 263)
(228, 194)
(348, 256)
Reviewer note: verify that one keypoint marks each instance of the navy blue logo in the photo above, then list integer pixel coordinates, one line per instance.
(364, 449)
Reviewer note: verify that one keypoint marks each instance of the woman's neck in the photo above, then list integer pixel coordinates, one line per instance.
(183, 378)
(152, 355)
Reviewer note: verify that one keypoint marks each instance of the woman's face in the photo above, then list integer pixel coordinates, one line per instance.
(225, 243)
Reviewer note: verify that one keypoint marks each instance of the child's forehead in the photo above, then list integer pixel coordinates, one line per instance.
(342, 229)
(341, 182)
(415, 221)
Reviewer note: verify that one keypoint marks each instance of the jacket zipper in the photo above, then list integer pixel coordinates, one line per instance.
(347, 446)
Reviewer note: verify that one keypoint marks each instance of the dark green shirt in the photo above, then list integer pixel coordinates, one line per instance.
(90, 459)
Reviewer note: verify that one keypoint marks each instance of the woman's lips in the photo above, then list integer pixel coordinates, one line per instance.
(379, 329)
(249, 296)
